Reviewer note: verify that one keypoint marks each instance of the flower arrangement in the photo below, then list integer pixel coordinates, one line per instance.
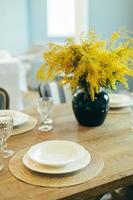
(90, 63)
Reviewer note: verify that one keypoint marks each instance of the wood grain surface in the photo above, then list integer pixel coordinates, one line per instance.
(113, 141)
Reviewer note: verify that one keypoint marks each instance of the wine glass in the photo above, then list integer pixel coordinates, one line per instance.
(6, 127)
(45, 109)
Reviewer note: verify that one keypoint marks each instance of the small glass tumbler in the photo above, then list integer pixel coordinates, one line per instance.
(45, 109)
(6, 127)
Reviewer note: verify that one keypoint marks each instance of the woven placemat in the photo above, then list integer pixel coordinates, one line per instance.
(18, 169)
(29, 125)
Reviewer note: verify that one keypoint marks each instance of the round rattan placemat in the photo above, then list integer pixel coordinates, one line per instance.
(18, 169)
(27, 126)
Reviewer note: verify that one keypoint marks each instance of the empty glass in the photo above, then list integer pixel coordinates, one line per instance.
(45, 109)
(6, 127)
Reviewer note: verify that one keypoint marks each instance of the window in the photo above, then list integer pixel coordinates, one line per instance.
(66, 17)
(60, 18)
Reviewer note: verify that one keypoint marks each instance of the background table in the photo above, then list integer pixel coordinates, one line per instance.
(113, 140)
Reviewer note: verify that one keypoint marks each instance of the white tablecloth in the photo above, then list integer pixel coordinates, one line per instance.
(13, 79)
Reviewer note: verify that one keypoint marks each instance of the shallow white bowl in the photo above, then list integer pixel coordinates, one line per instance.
(56, 153)
(18, 117)
(120, 100)
(72, 167)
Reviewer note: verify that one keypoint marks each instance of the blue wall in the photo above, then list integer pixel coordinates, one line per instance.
(13, 25)
(37, 20)
(23, 22)
(107, 16)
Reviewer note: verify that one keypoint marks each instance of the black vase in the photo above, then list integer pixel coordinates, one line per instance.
(90, 113)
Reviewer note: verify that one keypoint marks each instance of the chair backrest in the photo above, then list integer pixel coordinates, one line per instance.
(37, 48)
(60, 94)
(4, 99)
(5, 55)
(13, 80)
(32, 82)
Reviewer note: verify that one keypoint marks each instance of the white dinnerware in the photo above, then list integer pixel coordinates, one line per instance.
(120, 101)
(18, 117)
(56, 153)
(71, 167)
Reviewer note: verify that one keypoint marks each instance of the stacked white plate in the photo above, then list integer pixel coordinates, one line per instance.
(19, 118)
(120, 101)
(56, 157)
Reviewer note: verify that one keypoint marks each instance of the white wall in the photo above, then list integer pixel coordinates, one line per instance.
(13, 25)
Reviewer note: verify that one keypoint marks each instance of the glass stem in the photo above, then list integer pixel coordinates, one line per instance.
(1, 153)
(4, 145)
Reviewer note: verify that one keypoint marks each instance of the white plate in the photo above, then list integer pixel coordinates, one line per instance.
(72, 167)
(120, 101)
(18, 117)
(56, 152)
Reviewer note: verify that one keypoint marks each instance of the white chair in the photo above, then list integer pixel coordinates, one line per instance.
(32, 59)
(5, 55)
(33, 53)
(13, 80)
(60, 94)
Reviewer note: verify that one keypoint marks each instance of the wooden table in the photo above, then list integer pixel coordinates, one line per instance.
(113, 140)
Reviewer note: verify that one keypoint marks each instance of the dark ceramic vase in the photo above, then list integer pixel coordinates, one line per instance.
(90, 113)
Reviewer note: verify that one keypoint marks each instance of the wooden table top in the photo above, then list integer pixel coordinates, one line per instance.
(113, 140)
